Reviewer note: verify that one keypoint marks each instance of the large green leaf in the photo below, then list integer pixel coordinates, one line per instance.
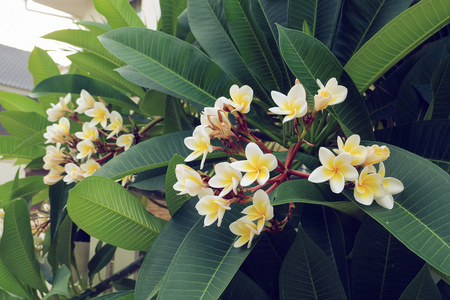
(303, 191)
(107, 211)
(9, 144)
(421, 212)
(60, 283)
(8, 188)
(10, 283)
(399, 37)
(119, 13)
(320, 15)
(361, 20)
(425, 138)
(100, 260)
(163, 249)
(174, 117)
(252, 44)
(382, 266)
(60, 251)
(441, 90)
(307, 273)
(310, 60)
(242, 287)
(153, 104)
(422, 287)
(171, 65)
(174, 201)
(95, 27)
(58, 194)
(17, 246)
(71, 83)
(170, 11)
(205, 262)
(15, 102)
(23, 124)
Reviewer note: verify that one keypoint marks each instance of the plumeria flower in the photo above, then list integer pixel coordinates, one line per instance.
(58, 110)
(376, 154)
(125, 140)
(392, 186)
(189, 181)
(257, 166)
(74, 173)
(226, 177)
(54, 156)
(200, 143)
(90, 167)
(99, 113)
(293, 105)
(352, 147)
(368, 186)
(261, 210)
(330, 94)
(55, 175)
(212, 207)
(56, 133)
(240, 98)
(85, 102)
(216, 119)
(246, 229)
(86, 149)
(336, 169)
(90, 132)
(38, 241)
(126, 180)
(116, 124)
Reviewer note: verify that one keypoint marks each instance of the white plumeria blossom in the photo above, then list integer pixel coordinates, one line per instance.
(368, 186)
(352, 147)
(86, 149)
(189, 181)
(216, 119)
(246, 229)
(125, 140)
(330, 94)
(261, 210)
(55, 175)
(57, 132)
(85, 102)
(54, 156)
(58, 110)
(90, 132)
(226, 177)
(376, 154)
(200, 143)
(212, 207)
(392, 186)
(90, 167)
(257, 166)
(74, 173)
(241, 98)
(99, 114)
(336, 169)
(293, 105)
(115, 125)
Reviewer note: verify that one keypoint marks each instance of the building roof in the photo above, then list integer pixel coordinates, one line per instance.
(14, 68)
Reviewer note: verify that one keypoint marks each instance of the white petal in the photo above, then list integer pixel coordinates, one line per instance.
(393, 185)
(326, 157)
(321, 174)
(249, 178)
(387, 201)
(337, 183)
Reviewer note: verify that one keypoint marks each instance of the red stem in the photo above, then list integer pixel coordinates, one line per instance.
(299, 174)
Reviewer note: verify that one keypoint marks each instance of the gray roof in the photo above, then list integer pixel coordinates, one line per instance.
(14, 68)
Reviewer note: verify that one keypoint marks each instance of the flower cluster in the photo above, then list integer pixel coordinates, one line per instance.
(77, 155)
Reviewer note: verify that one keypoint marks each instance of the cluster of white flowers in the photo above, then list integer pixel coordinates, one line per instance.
(351, 156)
(78, 155)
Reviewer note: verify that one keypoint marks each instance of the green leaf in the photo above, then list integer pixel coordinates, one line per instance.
(163, 249)
(100, 260)
(60, 252)
(122, 295)
(71, 83)
(252, 44)
(170, 11)
(102, 69)
(399, 37)
(425, 138)
(32, 187)
(307, 273)
(310, 60)
(9, 283)
(95, 27)
(58, 194)
(9, 144)
(8, 188)
(242, 287)
(422, 287)
(22, 125)
(15, 102)
(60, 283)
(107, 211)
(174, 201)
(153, 104)
(441, 90)
(118, 13)
(36, 139)
(205, 276)
(382, 266)
(162, 58)
(17, 246)
(420, 215)
(320, 16)
(303, 191)
(361, 20)
(174, 120)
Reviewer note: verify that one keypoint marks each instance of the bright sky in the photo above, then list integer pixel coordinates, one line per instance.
(21, 28)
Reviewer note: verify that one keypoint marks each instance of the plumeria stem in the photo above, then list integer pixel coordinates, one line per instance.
(104, 158)
(298, 173)
(150, 125)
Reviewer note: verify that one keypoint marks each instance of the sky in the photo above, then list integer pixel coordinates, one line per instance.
(22, 28)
